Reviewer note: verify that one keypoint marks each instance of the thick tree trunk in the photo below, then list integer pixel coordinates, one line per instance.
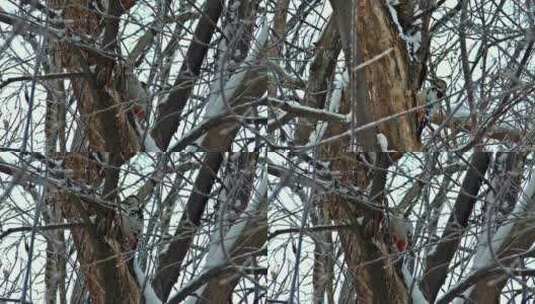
(99, 243)
(388, 79)
(101, 97)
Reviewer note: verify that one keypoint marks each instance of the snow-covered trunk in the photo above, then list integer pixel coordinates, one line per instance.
(170, 107)
(320, 79)
(234, 209)
(170, 260)
(437, 262)
(247, 82)
(235, 248)
(514, 235)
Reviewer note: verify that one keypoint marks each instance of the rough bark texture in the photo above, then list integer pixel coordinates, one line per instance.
(372, 269)
(390, 90)
(101, 101)
(389, 80)
(99, 244)
(375, 277)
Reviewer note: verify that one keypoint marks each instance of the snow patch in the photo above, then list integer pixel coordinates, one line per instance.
(148, 292)
(334, 106)
(149, 144)
(57, 12)
(219, 248)
(412, 41)
(416, 294)
(216, 104)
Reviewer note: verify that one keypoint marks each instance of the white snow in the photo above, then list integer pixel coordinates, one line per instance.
(218, 101)
(57, 12)
(164, 249)
(524, 204)
(216, 256)
(149, 144)
(318, 112)
(57, 162)
(483, 256)
(148, 292)
(412, 42)
(334, 107)
(215, 104)
(416, 294)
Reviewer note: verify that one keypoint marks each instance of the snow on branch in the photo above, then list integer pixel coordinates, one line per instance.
(217, 257)
(334, 106)
(149, 145)
(416, 294)
(383, 142)
(484, 258)
(216, 103)
(525, 204)
(309, 112)
(148, 292)
(412, 41)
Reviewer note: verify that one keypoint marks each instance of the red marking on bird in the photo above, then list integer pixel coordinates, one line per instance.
(139, 112)
(400, 244)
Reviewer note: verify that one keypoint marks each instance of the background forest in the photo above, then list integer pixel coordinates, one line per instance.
(267, 151)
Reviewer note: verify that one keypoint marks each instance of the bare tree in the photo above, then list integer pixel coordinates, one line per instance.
(147, 146)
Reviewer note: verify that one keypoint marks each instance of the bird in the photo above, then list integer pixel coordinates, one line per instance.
(400, 229)
(431, 96)
(132, 221)
(138, 97)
